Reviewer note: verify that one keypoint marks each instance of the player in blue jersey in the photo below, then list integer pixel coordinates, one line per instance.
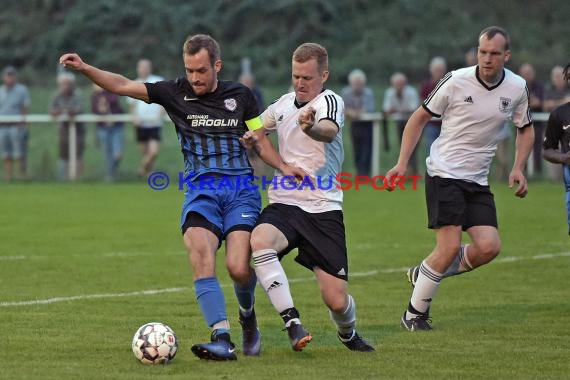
(210, 116)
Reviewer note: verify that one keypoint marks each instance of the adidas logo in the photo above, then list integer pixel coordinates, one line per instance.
(468, 99)
(280, 118)
(428, 300)
(274, 285)
(342, 272)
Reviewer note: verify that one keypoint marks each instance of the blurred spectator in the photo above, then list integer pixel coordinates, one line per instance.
(248, 80)
(437, 69)
(359, 99)
(68, 101)
(400, 101)
(14, 100)
(110, 134)
(148, 120)
(471, 57)
(558, 92)
(536, 92)
(260, 168)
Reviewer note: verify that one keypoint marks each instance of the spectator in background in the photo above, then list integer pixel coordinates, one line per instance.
(359, 99)
(109, 133)
(400, 101)
(248, 80)
(536, 93)
(556, 94)
(68, 101)
(437, 69)
(260, 168)
(471, 57)
(14, 100)
(148, 120)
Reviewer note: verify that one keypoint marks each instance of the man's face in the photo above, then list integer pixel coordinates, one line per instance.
(144, 68)
(201, 75)
(307, 80)
(527, 72)
(437, 71)
(9, 79)
(491, 57)
(557, 77)
(357, 85)
(399, 84)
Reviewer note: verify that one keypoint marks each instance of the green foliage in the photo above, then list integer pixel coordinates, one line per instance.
(379, 36)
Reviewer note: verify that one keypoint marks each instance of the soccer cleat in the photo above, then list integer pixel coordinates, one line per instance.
(412, 274)
(298, 336)
(220, 348)
(421, 322)
(354, 342)
(251, 343)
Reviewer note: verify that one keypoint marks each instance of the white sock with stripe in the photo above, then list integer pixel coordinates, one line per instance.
(272, 278)
(426, 287)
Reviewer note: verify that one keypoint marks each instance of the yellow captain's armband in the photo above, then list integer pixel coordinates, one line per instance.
(254, 124)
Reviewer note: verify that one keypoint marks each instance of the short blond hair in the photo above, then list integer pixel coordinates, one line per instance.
(311, 50)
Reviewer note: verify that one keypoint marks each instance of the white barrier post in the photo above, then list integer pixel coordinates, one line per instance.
(375, 147)
(72, 135)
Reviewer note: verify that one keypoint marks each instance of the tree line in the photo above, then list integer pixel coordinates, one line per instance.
(378, 36)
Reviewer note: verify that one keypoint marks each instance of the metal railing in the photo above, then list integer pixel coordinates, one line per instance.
(376, 119)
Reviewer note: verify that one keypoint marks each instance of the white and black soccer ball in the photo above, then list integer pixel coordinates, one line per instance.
(155, 343)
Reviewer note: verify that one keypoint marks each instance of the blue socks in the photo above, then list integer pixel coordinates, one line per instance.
(246, 295)
(211, 300)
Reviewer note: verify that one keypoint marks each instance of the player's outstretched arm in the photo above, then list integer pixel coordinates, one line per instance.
(523, 147)
(112, 82)
(412, 133)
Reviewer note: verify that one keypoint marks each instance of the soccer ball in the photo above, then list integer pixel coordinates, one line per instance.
(154, 343)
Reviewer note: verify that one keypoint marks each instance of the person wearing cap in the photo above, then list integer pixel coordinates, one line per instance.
(14, 100)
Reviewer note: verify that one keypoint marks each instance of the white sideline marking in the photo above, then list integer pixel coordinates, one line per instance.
(19, 257)
(507, 259)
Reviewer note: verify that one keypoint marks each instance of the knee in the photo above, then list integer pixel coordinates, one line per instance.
(239, 273)
(259, 241)
(489, 248)
(337, 302)
(449, 249)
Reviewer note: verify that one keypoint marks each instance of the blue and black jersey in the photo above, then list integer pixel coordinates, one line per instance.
(209, 126)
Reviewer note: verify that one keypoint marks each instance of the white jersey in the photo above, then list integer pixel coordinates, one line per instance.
(323, 161)
(150, 115)
(473, 115)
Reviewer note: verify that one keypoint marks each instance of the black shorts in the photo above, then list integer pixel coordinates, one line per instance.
(147, 134)
(320, 237)
(454, 202)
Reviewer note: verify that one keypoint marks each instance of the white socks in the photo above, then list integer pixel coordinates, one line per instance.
(345, 321)
(272, 278)
(426, 287)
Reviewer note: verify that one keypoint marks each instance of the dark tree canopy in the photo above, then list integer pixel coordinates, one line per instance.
(379, 36)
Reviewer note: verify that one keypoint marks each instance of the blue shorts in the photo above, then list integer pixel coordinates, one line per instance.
(224, 203)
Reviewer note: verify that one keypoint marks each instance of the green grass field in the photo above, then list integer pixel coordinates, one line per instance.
(93, 248)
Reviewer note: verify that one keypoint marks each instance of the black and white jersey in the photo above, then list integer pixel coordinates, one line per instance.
(323, 161)
(473, 115)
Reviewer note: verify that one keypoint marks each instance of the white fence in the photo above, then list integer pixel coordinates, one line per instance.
(376, 119)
